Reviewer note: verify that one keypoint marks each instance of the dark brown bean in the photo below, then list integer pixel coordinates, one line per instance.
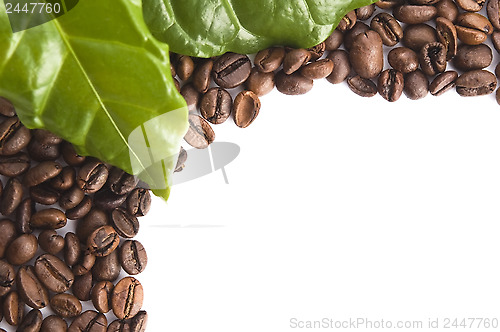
(246, 108)
(476, 83)
(101, 296)
(70, 156)
(471, 5)
(334, 41)
(133, 257)
(72, 249)
(13, 136)
(15, 165)
(103, 241)
(418, 35)
(390, 84)
(139, 202)
(447, 9)
(46, 137)
(365, 12)
(231, 70)
(49, 219)
(82, 287)
(44, 194)
(185, 67)
(6, 108)
(493, 10)
(107, 200)
(341, 66)
(473, 28)
(349, 36)
(347, 22)
(125, 224)
(139, 322)
(22, 249)
(30, 289)
(32, 322)
(443, 82)
(294, 84)
(66, 305)
(199, 135)
(270, 59)
(7, 277)
(317, 51)
(23, 215)
(7, 235)
(53, 273)
(432, 58)
(92, 176)
(260, 83)
(92, 221)
(85, 263)
(90, 321)
(414, 14)
(42, 172)
(107, 268)
(71, 198)
(80, 210)
(471, 57)
(120, 182)
(51, 242)
(363, 87)
(41, 152)
(13, 309)
(216, 105)
(403, 59)
(447, 35)
(191, 96)
(366, 55)
(495, 38)
(201, 75)
(295, 59)
(12, 196)
(127, 297)
(388, 28)
(54, 324)
(318, 69)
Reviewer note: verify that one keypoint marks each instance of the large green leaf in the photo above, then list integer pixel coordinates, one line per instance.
(207, 28)
(98, 78)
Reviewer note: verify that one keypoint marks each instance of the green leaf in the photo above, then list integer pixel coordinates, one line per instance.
(97, 77)
(206, 28)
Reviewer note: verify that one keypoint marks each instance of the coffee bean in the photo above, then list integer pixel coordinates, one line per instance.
(231, 70)
(41, 152)
(8, 234)
(120, 182)
(403, 59)
(199, 135)
(246, 108)
(318, 69)
(90, 321)
(22, 249)
(317, 51)
(365, 12)
(470, 57)
(358, 29)
(295, 59)
(388, 28)
(107, 268)
(347, 22)
(133, 257)
(390, 84)
(54, 324)
(54, 273)
(414, 14)
(51, 242)
(92, 176)
(260, 83)
(333, 41)
(82, 287)
(447, 35)
(23, 215)
(15, 165)
(216, 105)
(185, 67)
(49, 219)
(13, 136)
(270, 59)
(84, 264)
(13, 309)
(294, 84)
(42, 172)
(7, 277)
(127, 297)
(119, 326)
(443, 82)
(125, 224)
(70, 156)
(497, 70)
(6, 108)
(418, 35)
(103, 241)
(46, 137)
(72, 249)
(493, 10)
(107, 200)
(201, 75)
(139, 202)
(473, 28)
(432, 58)
(32, 322)
(476, 83)
(71, 198)
(363, 87)
(12, 196)
(495, 38)
(30, 289)
(139, 322)
(191, 96)
(366, 55)
(43, 194)
(66, 305)
(101, 296)
(92, 221)
(447, 9)
(471, 5)
(81, 209)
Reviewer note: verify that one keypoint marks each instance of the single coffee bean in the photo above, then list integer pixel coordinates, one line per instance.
(127, 297)
(497, 70)
(493, 11)
(433, 58)
(191, 96)
(295, 59)
(32, 322)
(71, 198)
(390, 84)
(495, 38)
(119, 325)
(201, 75)
(103, 241)
(317, 51)
(473, 28)
(418, 35)
(341, 66)
(90, 321)
(318, 69)
(13, 309)
(70, 156)
(333, 41)
(366, 55)
(7, 277)
(246, 108)
(49, 219)
(471, 5)
(6, 108)
(51, 242)
(23, 215)
(476, 83)
(139, 322)
(107, 268)
(92, 221)
(231, 70)
(13, 136)
(260, 83)
(42, 172)
(403, 59)
(139, 202)
(388, 28)
(30, 289)
(471, 57)
(199, 135)
(8, 234)
(107, 200)
(347, 22)
(22, 249)
(443, 82)
(66, 305)
(41, 152)
(12, 196)
(120, 182)
(125, 224)
(270, 59)
(15, 165)
(358, 29)
(181, 160)
(216, 105)
(84, 264)
(54, 273)
(54, 324)
(133, 257)
(363, 87)
(185, 67)
(365, 12)
(44, 194)
(46, 137)
(294, 84)
(447, 35)
(72, 249)
(82, 287)
(414, 14)
(81, 210)
(92, 176)
(447, 9)
(101, 296)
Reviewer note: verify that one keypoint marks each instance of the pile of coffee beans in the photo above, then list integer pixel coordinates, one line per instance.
(47, 185)
(431, 46)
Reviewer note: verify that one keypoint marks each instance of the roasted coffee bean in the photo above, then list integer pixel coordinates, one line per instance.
(334, 41)
(23, 215)
(390, 84)
(471, 57)
(202, 74)
(107, 268)
(447, 9)
(7, 235)
(260, 83)
(125, 224)
(13, 309)
(81, 209)
(231, 70)
(403, 59)
(199, 135)
(54, 324)
(294, 84)
(139, 202)
(471, 5)
(90, 321)
(103, 241)
(121, 182)
(119, 326)
(22, 249)
(46, 137)
(185, 67)
(388, 28)
(270, 59)
(71, 198)
(66, 305)
(295, 59)
(347, 22)
(127, 297)
(414, 14)
(476, 83)
(82, 287)
(349, 36)
(70, 156)
(30, 289)
(92, 176)
(84, 264)
(495, 38)
(447, 35)
(13, 136)
(139, 322)
(51, 242)
(366, 55)
(6, 108)
(92, 221)
(72, 249)
(497, 70)
(418, 35)
(365, 12)
(7, 277)
(432, 58)
(216, 105)
(41, 152)
(42, 172)
(12, 196)
(493, 10)
(49, 219)
(54, 273)
(107, 200)
(317, 51)
(386, 4)
(246, 108)
(363, 87)
(443, 82)
(101, 296)
(341, 66)
(191, 96)
(15, 165)
(133, 257)
(44, 194)
(318, 69)
(473, 28)
(32, 322)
